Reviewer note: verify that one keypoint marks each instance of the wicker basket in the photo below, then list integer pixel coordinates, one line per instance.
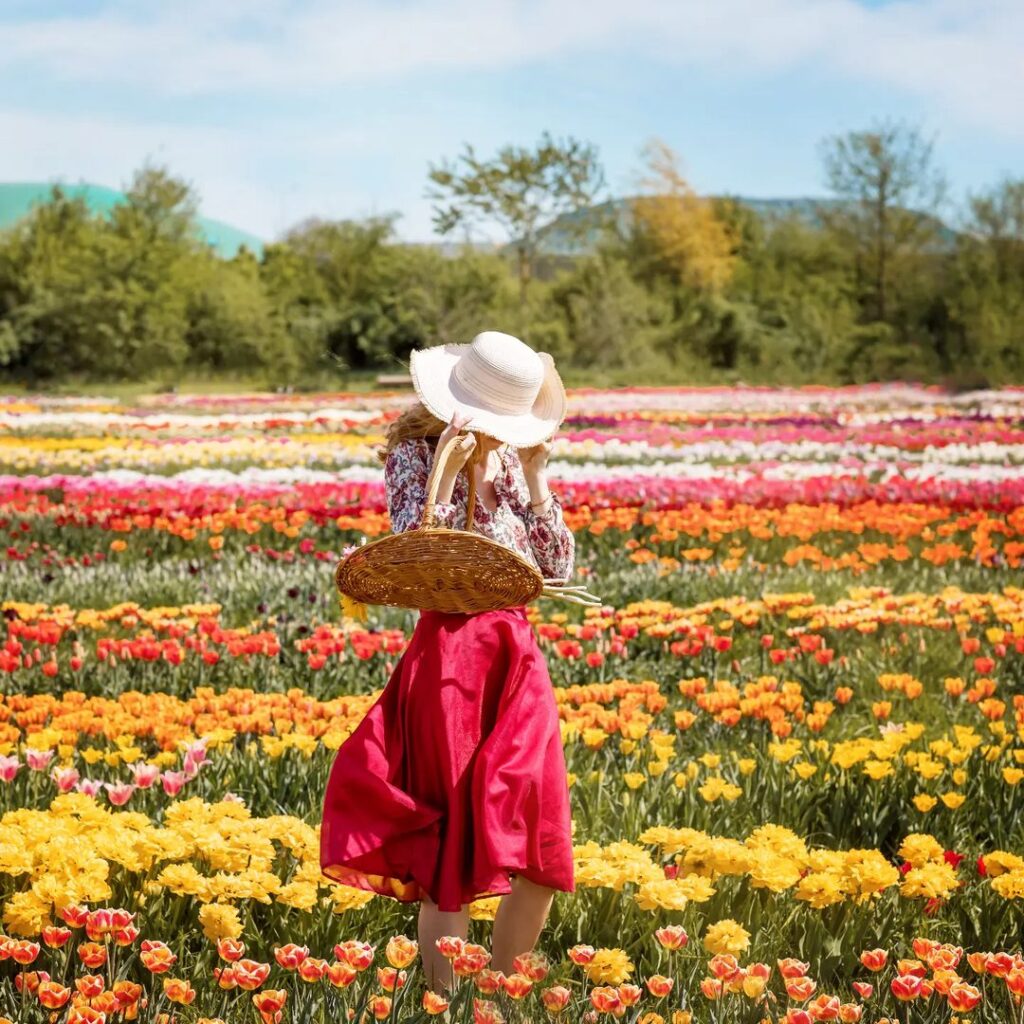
(434, 568)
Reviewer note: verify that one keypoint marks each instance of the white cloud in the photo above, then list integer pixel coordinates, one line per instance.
(965, 59)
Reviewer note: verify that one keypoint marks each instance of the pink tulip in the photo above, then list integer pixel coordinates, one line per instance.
(195, 758)
(119, 793)
(173, 781)
(9, 767)
(145, 774)
(38, 760)
(65, 778)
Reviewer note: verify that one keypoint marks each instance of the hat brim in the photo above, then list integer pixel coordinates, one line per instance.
(438, 389)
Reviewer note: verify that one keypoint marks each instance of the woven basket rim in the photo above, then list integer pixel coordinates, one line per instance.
(462, 538)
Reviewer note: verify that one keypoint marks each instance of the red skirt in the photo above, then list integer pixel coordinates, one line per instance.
(455, 779)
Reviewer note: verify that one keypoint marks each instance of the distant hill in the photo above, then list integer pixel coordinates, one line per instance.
(18, 198)
(576, 233)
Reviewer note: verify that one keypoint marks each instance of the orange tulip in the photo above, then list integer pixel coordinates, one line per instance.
(978, 962)
(914, 967)
(400, 951)
(999, 964)
(156, 956)
(312, 969)
(824, 1007)
(225, 977)
(341, 974)
(517, 985)
(55, 936)
(249, 974)
(127, 994)
(74, 915)
(629, 993)
(23, 952)
(711, 988)
(434, 1003)
(85, 1015)
(605, 999)
(724, 966)
(659, 986)
(533, 965)
(389, 979)
(943, 980)
(92, 954)
(470, 962)
(486, 1012)
(270, 1000)
(790, 968)
(556, 998)
(380, 1007)
(230, 949)
(179, 991)
(358, 954)
(794, 1016)
(487, 981)
(581, 955)
(450, 946)
(290, 955)
(963, 997)
(759, 970)
(874, 959)
(944, 957)
(29, 981)
(52, 995)
(800, 989)
(672, 936)
(906, 987)
(90, 985)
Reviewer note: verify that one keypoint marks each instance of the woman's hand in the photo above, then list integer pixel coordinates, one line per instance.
(535, 458)
(534, 461)
(459, 456)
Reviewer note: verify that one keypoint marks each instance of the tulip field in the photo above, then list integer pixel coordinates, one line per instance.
(794, 729)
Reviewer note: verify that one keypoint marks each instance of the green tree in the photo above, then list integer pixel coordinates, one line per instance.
(520, 189)
(988, 297)
(352, 295)
(687, 234)
(231, 323)
(889, 191)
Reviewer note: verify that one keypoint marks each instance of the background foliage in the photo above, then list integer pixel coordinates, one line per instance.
(670, 286)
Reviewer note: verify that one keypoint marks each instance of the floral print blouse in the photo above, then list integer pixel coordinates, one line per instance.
(545, 541)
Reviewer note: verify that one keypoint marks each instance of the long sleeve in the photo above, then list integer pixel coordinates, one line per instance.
(553, 543)
(405, 484)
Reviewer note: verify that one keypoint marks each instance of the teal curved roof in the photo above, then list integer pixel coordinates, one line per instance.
(18, 198)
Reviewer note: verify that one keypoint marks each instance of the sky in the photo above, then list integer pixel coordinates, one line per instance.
(276, 111)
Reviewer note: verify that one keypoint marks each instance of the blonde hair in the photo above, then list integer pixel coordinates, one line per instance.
(416, 421)
(419, 422)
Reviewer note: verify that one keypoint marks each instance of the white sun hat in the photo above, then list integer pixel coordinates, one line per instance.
(509, 391)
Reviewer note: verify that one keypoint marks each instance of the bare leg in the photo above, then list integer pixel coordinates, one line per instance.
(433, 924)
(519, 921)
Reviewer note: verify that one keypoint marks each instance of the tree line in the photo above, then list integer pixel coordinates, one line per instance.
(664, 286)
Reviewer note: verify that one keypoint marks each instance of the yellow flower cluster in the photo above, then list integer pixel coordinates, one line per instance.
(217, 853)
(776, 859)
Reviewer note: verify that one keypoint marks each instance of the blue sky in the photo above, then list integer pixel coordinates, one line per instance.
(280, 110)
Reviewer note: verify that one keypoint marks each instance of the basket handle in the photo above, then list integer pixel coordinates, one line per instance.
(429, 519)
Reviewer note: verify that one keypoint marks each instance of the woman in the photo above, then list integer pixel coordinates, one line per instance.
(453, 787)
